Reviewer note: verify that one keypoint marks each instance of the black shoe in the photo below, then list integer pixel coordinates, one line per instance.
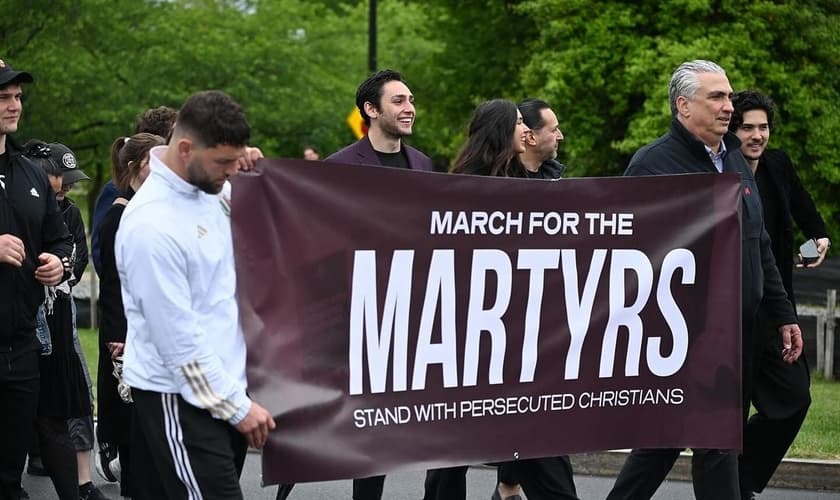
(107, 463)
(747, 495)
(23, 494)
(35, 467)
(88, 491)
(497, 496)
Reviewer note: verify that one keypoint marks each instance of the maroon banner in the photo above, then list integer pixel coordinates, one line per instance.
(408, 320)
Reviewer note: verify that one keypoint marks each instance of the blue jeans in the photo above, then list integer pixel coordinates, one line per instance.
(42, 331)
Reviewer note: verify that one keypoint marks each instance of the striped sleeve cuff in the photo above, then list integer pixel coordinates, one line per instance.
(219, 407)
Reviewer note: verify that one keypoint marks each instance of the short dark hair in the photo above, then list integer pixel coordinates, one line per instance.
(371, 90)
(156, 121)
(749, 100)
(531, 110)
(213, 118)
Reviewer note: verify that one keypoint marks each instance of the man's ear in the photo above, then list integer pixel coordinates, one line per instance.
(371, 110)
(682, 106)
(531, 138)
(185, 147)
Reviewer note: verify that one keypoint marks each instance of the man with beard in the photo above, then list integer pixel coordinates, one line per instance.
(35, 248)
(387, 107)
(699, 141)
(185, 352)
(781, 395)
(545, 136)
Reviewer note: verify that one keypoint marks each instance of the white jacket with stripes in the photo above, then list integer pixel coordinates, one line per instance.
(174, 255)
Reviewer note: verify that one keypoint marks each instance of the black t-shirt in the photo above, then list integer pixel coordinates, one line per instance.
(397, 159)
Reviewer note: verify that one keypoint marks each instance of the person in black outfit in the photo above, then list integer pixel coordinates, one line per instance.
(782, 391)
(541, 143)
(699, 141)
(500, 131)
(129, 168)
(64, 391)
(35, 249)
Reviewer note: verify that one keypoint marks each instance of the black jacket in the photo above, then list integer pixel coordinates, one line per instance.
(73, 219)
(549, 169)
(29, 211)
(679, 152)
(796, 205)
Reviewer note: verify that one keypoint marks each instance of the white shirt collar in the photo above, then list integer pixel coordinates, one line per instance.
(158, 167)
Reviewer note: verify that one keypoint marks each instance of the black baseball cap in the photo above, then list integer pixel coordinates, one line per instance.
(64, 158)
(8, 75)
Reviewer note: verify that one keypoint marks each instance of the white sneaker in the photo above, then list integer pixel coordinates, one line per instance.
(107, 463)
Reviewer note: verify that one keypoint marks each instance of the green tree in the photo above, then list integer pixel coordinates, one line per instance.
(98, 64)
(605, 66)
(480, 46)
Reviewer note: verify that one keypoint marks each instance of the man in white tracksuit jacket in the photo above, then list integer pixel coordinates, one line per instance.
(185, 353)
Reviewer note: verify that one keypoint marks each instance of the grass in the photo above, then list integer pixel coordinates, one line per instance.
(820, 434)
(819, 437)
(89, 338)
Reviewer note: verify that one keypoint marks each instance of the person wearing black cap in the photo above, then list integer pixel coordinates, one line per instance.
(81, 428)
(65, 423)
(35, 247)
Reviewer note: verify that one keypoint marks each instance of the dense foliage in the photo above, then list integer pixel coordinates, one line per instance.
(295, 65)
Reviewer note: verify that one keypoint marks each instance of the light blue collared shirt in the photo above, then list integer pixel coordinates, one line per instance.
(717, 159)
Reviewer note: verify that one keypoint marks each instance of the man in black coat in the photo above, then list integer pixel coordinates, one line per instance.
(542, 141)
(781, 393)
(35, 247)
(699, 141)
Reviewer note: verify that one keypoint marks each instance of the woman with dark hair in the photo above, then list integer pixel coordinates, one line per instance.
(129, 168)
(496, 137)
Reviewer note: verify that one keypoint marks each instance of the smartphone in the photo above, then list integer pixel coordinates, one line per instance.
(808, 252)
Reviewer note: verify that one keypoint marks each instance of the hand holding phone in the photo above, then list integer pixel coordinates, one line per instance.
(808, 252)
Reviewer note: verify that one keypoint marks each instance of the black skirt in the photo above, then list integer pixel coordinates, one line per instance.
(113, 414)
(64, 390)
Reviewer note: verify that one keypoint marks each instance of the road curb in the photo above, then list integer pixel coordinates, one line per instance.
(802, 474)
(792, 473)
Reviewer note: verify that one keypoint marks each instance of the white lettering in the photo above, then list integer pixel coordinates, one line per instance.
(679, 258)
(579, 307)
(440, 289)
(441, 224)
(536, 261)
(490, 320)
(364, 323)
(627, 316)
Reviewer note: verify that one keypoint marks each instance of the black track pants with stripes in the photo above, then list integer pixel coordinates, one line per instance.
(179, 451)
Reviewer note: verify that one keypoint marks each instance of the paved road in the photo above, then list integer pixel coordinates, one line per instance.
(409, 486)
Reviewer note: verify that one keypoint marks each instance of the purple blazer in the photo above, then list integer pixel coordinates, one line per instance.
(362, 153)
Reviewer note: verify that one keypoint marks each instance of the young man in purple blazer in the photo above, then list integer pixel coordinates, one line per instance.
(387, 106)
